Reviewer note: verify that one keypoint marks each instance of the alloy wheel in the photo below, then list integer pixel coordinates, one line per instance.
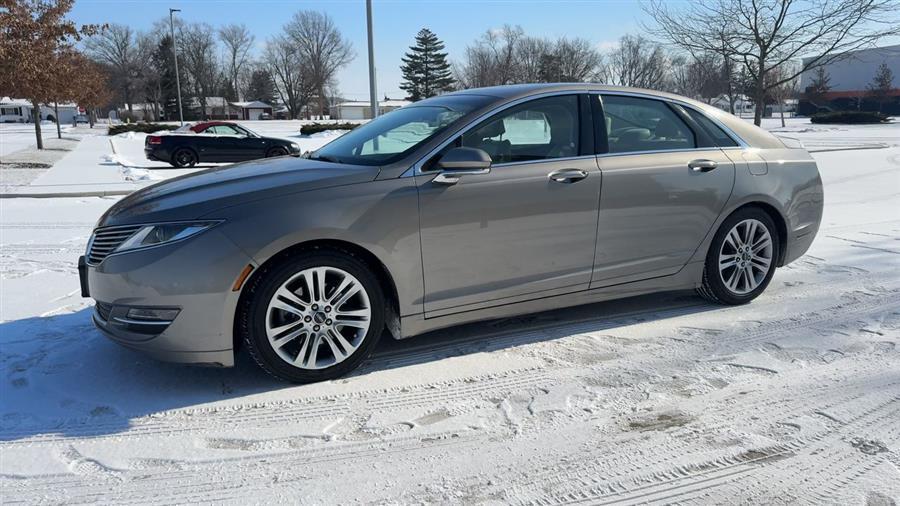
(318, 318)
(745, 257)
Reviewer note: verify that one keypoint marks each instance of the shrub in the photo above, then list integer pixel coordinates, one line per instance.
(849, 117)
(147, 128)
(314, 128)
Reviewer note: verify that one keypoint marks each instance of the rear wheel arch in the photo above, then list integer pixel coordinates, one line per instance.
(384, 277)
(780, 226)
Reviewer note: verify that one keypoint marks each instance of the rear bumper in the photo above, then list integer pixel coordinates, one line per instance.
(194, 277)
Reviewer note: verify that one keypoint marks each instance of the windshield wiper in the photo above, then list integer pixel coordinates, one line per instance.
(324, 158)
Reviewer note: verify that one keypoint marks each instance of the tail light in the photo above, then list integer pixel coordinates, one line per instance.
(154, 139)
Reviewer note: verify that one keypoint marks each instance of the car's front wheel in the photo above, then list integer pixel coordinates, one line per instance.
(313, 317)
(277, 151)
(184, 158)
(741, 259)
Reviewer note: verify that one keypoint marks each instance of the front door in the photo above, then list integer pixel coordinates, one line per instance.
(526, 229)
(664, 185)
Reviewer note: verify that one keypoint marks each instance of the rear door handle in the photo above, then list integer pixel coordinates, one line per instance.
(702, 165)
(567, 176)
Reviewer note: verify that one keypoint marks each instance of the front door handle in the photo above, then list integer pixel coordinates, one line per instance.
(702, 165)
(567, 176)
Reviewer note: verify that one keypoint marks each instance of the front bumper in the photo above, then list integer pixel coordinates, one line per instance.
(194, 277)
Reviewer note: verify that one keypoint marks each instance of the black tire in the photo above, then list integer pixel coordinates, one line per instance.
(252, 314)
(184, 157)
(277, 151)
(713, 287)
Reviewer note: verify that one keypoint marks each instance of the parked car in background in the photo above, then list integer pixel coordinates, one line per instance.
(473, 205)
(81, 118)
(214, 141)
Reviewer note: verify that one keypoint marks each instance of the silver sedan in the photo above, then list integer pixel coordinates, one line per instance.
(474, 205)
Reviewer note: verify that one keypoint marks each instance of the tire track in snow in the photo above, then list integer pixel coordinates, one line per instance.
(703, 477)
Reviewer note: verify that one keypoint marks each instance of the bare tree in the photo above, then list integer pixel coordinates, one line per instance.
(117, 47)
(786, 89)
(637, 62)
(289, 70)
(197, 44)
(238, 41)
(531, 54)
(699, 76)
(766, 34)
(491, 61)
(322, 47)
(574, 60)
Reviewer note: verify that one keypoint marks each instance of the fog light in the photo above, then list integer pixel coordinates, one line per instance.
(152, 314)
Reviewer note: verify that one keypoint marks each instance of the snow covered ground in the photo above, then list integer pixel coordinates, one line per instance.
(17, 136)
(794, 398)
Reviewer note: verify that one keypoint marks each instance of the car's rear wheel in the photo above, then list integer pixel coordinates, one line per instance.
(184, 158)
(277, 151)
(741, 259)
(312, 318)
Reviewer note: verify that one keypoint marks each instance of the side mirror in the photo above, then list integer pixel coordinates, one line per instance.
(460, 162)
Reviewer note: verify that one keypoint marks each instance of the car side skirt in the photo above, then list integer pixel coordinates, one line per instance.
(687, 278)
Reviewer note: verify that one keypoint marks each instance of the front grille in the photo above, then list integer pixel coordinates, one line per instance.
(103, 310)
(106, 240)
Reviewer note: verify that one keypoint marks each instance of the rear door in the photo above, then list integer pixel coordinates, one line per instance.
(665, 181)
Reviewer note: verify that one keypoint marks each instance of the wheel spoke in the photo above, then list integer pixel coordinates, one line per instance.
(310, 362)
(733, 279)
(751, 232)
(274, 332)
(761, 245)
(335, 349)
(348, 293)
(281, 341)
(726, 261)
(732, 239)
(341, 340)
(320, 287)
(279, 304)
(291, 297)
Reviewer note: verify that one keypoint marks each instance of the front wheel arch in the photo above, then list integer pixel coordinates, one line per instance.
(385, 279)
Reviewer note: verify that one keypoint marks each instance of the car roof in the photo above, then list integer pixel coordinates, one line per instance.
(511, 91)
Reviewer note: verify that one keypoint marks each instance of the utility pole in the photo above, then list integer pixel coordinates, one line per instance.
(373, 92)
(175, 54)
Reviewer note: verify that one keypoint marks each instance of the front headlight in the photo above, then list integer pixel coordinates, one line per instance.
(161, 233)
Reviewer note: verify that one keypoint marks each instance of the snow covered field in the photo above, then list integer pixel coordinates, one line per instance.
(794, 398)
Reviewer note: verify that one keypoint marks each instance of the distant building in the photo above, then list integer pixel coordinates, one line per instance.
(19, 110)
(253, 110)
(849, 78)
(742, 104)
(363, 110)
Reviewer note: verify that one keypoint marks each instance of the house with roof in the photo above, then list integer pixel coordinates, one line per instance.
(248, 111)
(19, 110)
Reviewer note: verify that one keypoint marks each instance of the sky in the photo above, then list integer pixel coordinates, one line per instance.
(396, 22)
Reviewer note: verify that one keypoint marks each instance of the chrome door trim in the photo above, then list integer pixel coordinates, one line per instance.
(416, 169)
(735, 137)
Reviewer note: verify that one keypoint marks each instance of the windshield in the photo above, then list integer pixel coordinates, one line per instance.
(390, 137)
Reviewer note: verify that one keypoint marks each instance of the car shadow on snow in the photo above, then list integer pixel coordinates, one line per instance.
(62, 377)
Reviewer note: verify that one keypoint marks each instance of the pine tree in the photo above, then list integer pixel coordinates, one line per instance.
(882, 86)
(261, 87)
(163, 62)
(426, 71)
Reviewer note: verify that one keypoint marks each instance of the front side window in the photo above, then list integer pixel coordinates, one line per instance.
(541, 129)
(392, 136)
(642, 124)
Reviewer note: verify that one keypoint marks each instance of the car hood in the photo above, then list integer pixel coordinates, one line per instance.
(197, 195)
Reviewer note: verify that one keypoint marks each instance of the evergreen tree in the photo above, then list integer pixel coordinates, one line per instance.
(426, 71)
(882, 86)
(261, 87)
(163, 64)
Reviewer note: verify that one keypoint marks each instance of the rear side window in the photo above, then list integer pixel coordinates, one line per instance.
(641, 124)
(715, 132)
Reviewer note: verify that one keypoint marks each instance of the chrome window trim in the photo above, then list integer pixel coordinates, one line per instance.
(735, 137)
(416, 169)
(659, 151)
